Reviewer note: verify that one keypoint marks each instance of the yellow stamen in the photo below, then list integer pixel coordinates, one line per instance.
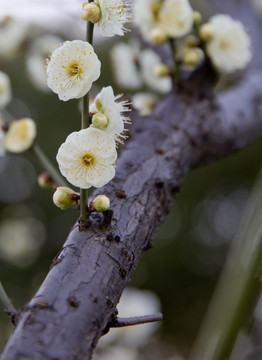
(88, 160)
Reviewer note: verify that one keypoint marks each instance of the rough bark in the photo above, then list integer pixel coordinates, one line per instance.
(188, 128)
(68, 314)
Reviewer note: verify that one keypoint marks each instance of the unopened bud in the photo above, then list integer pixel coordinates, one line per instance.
(160, 70)
(192, 41)
(193, 57)
(45, 180)
(99, 121)
(64, 197)
(206, 32)
(197, 17)
(91, 12)
(101, 203)
(158, 36)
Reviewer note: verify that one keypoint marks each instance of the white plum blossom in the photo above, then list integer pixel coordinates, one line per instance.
(230, 47)
(87, 158)
(39, 50)
(144, 102)
(146, 16)
(12, 35)
(21, 239)
(20, 135)
(5, 89)
(114, 14)
(72, 69)
(106, 103)
(148, 61)
(176, 17)
(124, 62)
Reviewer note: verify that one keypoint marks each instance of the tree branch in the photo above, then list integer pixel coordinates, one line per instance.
(188, 128)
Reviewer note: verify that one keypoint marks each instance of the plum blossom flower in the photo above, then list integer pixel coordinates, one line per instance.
(72, 69)
(39, 50)
(124, 57)
(230, 47)
(87, 158)
(146, 16)
(114, 14)
(21, 239)
(148, 61)
(144, 102)
(5, 89)
(12, 36)
(105, 103)
(176, 17)
(20, 135)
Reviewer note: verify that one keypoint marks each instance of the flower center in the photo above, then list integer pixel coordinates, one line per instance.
(88, 160)
(73, 69)
(224, 44)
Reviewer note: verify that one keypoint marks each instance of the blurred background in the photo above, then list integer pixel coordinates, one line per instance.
(181, 271)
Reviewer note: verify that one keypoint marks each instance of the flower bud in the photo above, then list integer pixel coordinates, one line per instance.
(45, 180)
(64, 197)
(197, 17)
(99, 121)
(101, 203)
(206, 32)
(158, 36)
(192, 41)
(193, 57)
(91, 12)
(160, 70)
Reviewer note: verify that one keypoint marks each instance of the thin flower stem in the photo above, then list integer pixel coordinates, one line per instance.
(85, 122)
(5, 300)
(47, 165)
(177, 74)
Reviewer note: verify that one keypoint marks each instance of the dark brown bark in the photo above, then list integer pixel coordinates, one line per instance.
(188, 128)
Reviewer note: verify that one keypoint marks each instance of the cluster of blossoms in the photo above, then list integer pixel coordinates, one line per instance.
(159, 20)
(223, 39)
(87, 157)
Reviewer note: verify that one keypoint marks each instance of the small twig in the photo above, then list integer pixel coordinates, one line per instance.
(176, 70)
(47, 165)
(5, 300)
(137, 320)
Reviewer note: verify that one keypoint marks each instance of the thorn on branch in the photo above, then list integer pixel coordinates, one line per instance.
(117, 322)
